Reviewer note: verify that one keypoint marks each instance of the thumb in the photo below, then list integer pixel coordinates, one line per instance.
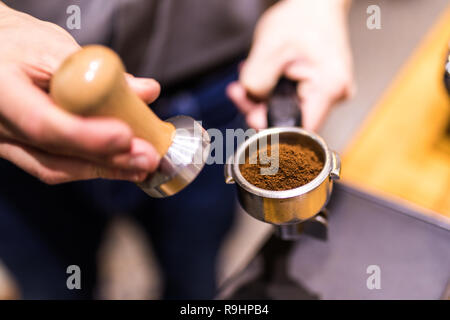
(146, 88)
(262, 69)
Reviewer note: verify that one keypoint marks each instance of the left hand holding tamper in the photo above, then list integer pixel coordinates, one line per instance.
(41, 138)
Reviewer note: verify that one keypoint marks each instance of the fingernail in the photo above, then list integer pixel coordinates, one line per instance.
(140, 162)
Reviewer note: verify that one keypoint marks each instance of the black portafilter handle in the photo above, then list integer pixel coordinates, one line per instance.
(283, 110)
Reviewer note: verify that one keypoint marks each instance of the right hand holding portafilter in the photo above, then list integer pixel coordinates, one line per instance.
(91, 82)
(285, 208)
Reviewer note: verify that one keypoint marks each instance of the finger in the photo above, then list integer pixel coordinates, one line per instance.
(142, 156)
(238, 95)
(300, 70)
(319, 92)
(257, 118)
(315, 104)
(263, 67)
(255, 113)
(53, 169)
(147, 89)
(31, 113)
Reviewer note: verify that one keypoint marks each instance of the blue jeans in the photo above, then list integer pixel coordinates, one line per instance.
(44, 229)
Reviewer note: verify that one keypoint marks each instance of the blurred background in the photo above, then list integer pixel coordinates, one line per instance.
(398, 117)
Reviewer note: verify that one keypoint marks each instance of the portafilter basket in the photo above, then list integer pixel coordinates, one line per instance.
(292, 206)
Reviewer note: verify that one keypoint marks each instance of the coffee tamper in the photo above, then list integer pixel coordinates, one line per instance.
(91, 82)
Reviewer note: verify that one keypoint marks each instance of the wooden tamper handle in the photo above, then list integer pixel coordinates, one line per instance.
(91, 82)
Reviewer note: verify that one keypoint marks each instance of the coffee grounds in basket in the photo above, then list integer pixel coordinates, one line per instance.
(298, 165)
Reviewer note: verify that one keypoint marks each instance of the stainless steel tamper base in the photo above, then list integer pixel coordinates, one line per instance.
(183, 161)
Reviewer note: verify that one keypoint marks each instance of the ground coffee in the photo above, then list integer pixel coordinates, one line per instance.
(298, 165)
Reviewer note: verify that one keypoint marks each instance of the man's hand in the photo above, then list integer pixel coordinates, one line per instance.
(45, 140)
(305, 41)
